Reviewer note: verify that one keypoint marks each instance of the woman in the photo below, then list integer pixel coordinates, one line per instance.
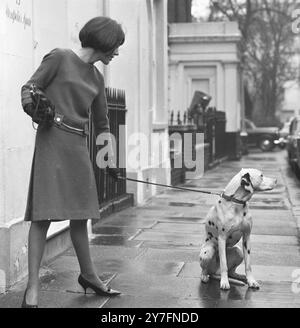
(62, 182)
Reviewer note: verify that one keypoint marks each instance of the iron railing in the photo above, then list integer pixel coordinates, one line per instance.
(210, 122)
(215, 133)
(181, 126)
(108, 188)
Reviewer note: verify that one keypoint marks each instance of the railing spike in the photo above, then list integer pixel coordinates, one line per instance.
(178, 118)
(172, 117)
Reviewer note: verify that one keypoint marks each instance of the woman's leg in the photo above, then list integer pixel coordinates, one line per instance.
(36, 246)
(79, 236)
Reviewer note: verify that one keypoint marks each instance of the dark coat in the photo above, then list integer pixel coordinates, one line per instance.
(62, 182)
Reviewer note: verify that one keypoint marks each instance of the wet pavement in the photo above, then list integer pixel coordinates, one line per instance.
(150, 253)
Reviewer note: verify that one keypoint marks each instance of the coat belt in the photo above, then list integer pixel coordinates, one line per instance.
(65, 123)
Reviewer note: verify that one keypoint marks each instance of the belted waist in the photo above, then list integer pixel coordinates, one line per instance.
(69, 125)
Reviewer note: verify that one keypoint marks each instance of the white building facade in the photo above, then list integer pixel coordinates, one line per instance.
(205, 57)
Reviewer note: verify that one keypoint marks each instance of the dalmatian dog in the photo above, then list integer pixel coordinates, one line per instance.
(226, 223)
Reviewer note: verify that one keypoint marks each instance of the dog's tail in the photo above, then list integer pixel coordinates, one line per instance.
(231, 280)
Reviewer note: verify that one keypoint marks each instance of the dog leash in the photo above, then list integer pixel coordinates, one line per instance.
(228, 198)
(172, 187)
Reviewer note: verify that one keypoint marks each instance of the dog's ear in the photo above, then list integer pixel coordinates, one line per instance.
(246, 182)
(246, 179)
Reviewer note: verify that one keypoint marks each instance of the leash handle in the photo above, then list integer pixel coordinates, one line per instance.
(172, 187)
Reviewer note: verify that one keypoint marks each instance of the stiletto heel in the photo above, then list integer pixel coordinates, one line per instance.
(83, 288)
(85, 284)
(24, 303)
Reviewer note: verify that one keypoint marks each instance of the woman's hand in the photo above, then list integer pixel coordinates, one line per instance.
(114, 172)
(111, 168)
(29, 109)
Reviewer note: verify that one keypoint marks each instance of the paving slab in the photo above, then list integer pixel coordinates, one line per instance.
(166, 245)
(174, 237)
(182, 219)
(135, 284)
(277, 240)
(114, 231)
(187, 254)
(184, 227)
(103, 252)
(137, 222)
(269, 229)
(114, 241)
(270, 254)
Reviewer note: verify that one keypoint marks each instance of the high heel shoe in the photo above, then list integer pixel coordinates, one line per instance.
(85, 284)
(24, 303)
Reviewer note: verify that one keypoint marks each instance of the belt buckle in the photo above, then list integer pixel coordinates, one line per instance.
(58, 119)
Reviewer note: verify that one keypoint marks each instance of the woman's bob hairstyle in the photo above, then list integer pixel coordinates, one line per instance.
(102, 33)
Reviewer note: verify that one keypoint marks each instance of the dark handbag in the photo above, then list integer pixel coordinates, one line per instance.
(40, 108)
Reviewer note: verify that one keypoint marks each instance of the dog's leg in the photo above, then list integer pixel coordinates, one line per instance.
(207, 259)
(234, 259)
(224, 283)
(252, 283)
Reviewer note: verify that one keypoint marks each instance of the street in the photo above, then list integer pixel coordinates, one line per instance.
(150, 252)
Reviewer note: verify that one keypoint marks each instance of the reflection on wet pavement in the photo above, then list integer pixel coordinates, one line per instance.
(114, 241)
(181, 204)
(211, 291)
(107, 230)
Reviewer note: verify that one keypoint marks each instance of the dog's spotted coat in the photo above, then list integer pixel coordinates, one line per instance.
(226, 223)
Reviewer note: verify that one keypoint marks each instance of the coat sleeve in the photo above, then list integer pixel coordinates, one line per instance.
(99, 110)
(43, 75)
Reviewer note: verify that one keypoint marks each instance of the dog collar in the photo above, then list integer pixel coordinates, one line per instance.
(232, 199)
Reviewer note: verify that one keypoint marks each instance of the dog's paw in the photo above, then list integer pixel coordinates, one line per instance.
(204, 278)
(252, 283)
(224, 284)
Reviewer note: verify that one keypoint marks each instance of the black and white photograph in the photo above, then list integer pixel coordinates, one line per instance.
(149, 157)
